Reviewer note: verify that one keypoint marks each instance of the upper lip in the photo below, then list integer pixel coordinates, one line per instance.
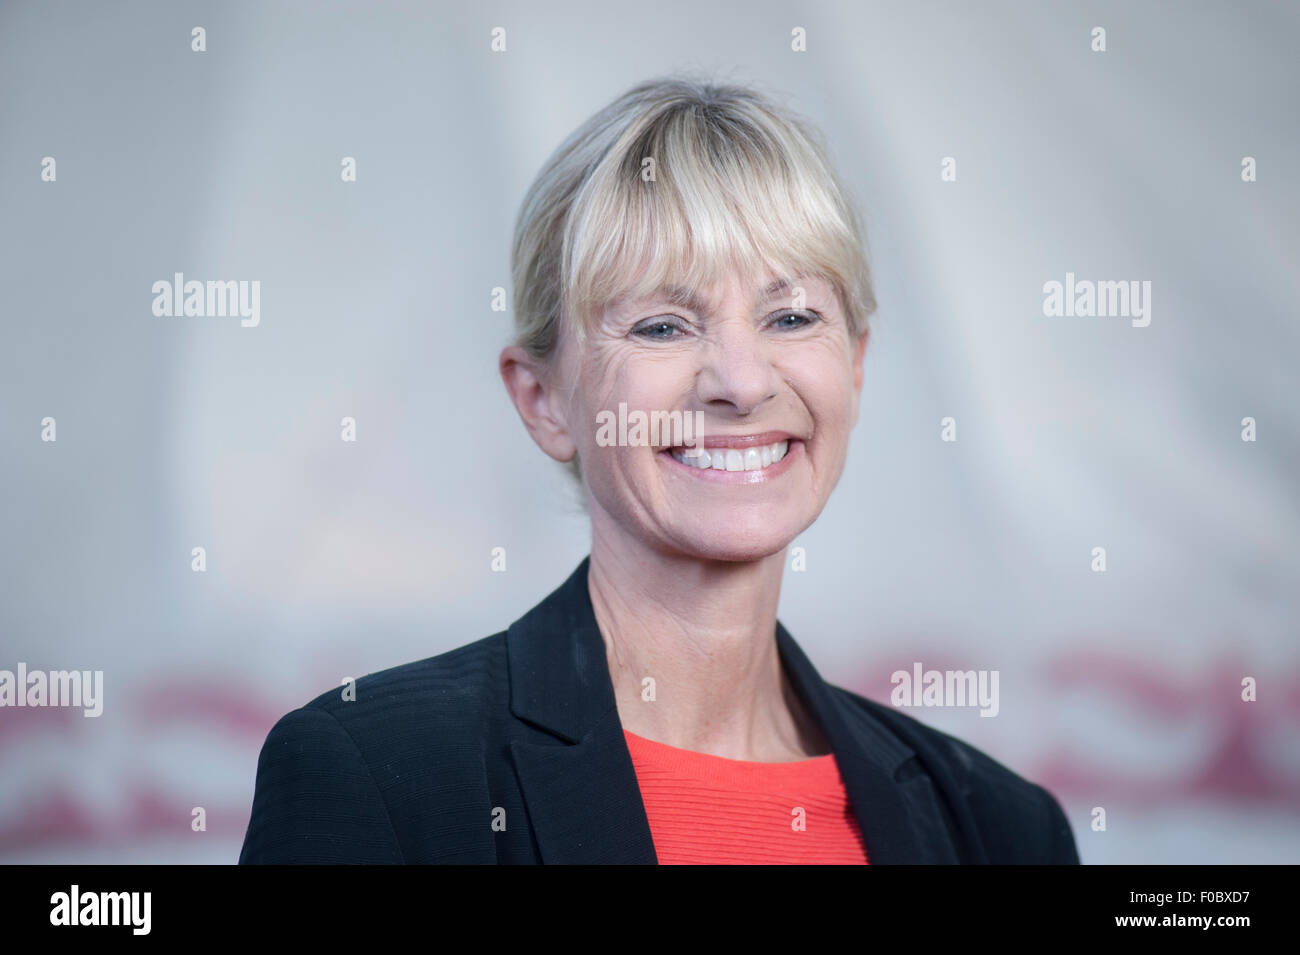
(741, 440)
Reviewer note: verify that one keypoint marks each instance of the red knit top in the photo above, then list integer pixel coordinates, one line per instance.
(706, 809)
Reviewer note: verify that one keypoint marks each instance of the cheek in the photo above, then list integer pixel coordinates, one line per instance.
(642, 382)
(646, 382)
(824, 381)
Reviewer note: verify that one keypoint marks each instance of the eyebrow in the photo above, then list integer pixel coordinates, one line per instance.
(677, 295)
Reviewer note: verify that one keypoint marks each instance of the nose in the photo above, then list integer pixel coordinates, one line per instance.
(736, 368)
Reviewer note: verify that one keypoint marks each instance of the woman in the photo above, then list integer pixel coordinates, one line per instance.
(687, 256)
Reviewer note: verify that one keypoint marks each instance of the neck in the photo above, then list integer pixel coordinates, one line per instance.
(705, 633)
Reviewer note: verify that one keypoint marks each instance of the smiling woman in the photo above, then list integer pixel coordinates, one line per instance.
(687, 251)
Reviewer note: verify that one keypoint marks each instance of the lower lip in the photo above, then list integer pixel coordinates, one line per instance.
(759, 476)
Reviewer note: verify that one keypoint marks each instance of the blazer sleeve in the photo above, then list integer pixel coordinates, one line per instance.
(315, 799)
(1059, 842)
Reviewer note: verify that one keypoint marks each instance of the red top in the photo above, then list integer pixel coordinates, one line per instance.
(706, 809)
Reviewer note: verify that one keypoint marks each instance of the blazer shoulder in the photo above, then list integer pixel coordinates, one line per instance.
(308, 768)
(328, 772)
(1018, 821)
(455, 681)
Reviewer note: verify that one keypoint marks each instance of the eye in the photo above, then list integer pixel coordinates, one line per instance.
(791, 321)
(657, 329)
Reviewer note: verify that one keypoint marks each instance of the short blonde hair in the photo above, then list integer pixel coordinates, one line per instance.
(735, 181)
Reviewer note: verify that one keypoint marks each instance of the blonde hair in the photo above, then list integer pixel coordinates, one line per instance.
(733, 180)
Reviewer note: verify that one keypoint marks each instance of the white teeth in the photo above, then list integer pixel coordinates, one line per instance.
(733, 459)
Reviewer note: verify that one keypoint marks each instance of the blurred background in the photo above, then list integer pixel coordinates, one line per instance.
(326, 558)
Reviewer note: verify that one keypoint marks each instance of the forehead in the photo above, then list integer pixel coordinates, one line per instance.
(704, 301)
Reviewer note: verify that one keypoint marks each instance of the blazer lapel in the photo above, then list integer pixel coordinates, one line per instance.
(897, 813)
(580, 787)
(582, 795)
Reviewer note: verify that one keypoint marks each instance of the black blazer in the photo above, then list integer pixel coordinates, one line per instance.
(521, 728)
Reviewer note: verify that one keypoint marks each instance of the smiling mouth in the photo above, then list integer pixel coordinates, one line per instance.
(754, 458)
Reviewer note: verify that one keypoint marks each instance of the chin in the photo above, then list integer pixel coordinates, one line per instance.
(738, 541)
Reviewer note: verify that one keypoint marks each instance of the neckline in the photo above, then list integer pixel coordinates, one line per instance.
(706, 764)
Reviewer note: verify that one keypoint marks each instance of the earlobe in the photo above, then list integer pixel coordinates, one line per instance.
(530, 391)
(859, 352)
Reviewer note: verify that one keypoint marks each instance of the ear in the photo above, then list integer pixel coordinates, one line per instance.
(859, 346)
(539, 407)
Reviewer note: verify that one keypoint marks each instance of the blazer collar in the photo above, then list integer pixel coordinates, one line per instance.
(583, 799)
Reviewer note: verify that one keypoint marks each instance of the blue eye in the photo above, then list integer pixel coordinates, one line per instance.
(802, 319)
(652, 330)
